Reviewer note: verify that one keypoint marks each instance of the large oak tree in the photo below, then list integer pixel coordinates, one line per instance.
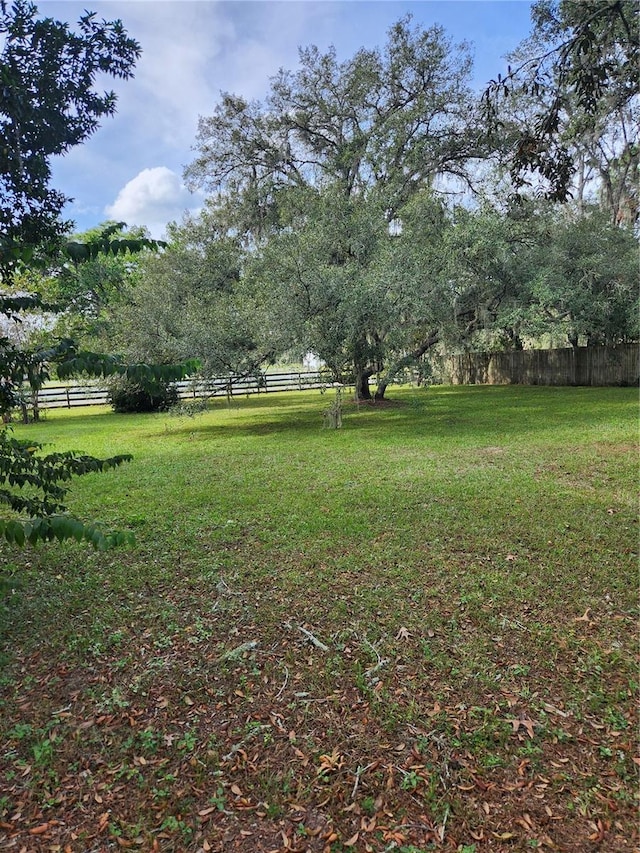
(339, 148)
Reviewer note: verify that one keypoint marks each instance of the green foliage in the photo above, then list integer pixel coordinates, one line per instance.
(190, 300)
(109, 240)
(535, 272)
(325, 232)
(579, 76)
(91, 274)
(127, 396)
(33, 487)
(318, 172)
(48, 104)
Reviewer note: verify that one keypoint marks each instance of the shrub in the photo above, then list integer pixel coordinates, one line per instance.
(126, 396)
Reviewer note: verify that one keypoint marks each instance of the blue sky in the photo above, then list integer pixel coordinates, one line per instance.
(131, 169)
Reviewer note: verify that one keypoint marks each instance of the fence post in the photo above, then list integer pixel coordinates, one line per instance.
(68, 398)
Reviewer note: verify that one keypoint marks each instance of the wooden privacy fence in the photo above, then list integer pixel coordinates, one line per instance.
(70, 396)
(617, 365)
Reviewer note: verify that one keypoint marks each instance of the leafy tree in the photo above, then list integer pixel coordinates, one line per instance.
(48, 104)
(191, 301)
(586, 283)
(317, 278)
(395, 119)
(582, 67)
(311, 179)
(90, 275)
(536, 273)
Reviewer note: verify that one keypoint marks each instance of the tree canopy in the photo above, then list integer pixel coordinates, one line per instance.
(392, 119)
(48, 104)
(364, 209)
(580, 71)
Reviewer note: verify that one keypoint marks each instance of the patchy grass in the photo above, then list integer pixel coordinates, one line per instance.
(415, 633)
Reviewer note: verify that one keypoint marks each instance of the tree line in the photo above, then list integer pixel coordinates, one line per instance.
(373, 209)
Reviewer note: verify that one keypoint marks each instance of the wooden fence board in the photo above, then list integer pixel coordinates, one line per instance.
(70, 396)
(619, 365)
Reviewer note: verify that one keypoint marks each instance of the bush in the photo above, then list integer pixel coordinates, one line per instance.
(126, 396)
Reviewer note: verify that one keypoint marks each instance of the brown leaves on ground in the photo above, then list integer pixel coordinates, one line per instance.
(177, 745)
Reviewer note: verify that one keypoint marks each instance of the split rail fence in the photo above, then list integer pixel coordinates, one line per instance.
(70, 396)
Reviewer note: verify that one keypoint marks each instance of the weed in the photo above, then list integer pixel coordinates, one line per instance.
(43, 753)
(219, 799)
(150, 741)
(410, 781)
(188, 742)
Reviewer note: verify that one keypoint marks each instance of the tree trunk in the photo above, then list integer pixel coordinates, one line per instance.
(362, 384)
(380, 390)
(405, 361)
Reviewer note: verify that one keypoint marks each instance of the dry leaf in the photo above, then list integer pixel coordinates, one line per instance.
(403, 634)
(584, 617)
(522, 722)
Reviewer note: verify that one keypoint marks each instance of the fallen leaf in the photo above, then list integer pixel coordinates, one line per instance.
(403, 634)
(522, 722)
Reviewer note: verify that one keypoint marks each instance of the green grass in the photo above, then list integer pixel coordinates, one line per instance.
(467, 555)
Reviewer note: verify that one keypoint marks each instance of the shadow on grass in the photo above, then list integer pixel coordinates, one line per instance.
(481, 412)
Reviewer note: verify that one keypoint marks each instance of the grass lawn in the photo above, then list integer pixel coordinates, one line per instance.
(415, 633)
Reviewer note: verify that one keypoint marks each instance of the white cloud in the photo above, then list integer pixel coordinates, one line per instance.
(153, 198)
(193, 50)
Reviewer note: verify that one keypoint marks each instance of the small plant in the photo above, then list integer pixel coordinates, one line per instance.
(149, 740)
(43, 753)
(333, 415)
(368, 805)
(219, 799)
(410, 781)
(187, 742)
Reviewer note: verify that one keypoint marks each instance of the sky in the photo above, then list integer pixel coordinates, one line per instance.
(131, 169)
